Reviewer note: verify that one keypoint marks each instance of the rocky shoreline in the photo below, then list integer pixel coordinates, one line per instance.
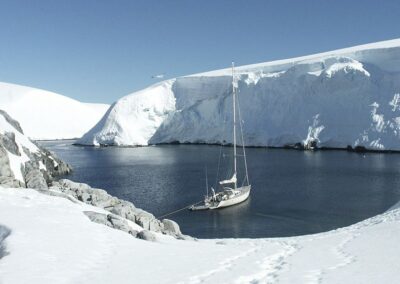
(41, 167)
(120, 211)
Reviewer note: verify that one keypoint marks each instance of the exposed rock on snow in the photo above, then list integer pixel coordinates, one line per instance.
(348, 97)
(112, 221)
(47, 115)
(4, 233)
(23, 163)
(118, 209)
(11, 121)
(146, 235)
(81, 251)
(34, 177)
(171, 227)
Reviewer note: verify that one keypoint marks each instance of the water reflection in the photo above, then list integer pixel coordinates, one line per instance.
(293, 192)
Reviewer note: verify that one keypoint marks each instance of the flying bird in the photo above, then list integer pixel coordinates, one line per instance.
(159, 76)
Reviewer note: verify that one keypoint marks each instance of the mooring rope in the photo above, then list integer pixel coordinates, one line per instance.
(176, 211)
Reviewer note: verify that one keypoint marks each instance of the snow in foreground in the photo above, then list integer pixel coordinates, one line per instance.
(52, 241)
(347, 97)
(47, 115)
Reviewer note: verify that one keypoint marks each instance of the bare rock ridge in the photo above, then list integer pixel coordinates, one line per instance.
(25, 164)
(11, 121)
(120, 211)
(22, 162)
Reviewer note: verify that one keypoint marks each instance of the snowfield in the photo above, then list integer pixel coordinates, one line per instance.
(47, 115)
(52, 241)
(347, 97)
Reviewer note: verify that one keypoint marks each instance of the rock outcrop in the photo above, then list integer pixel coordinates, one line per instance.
(24, 163)
(11, 121)
(7, 177)
(111, 220)
(147, 236)
(4, 233)
(119, 209)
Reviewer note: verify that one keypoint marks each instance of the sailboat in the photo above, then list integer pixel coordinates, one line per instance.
(230, 193)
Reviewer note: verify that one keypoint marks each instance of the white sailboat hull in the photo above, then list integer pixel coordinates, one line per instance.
(229, 196)
(245, 192)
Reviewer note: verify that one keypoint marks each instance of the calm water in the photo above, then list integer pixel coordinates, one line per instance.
(293, 192)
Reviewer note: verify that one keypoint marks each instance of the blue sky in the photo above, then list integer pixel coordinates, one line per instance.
(99, 51)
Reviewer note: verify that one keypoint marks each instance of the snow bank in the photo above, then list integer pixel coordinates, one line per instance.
(52, 241)
(47, 115)
(339, 98)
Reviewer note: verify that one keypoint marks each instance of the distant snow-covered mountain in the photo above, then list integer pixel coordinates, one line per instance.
(47, 115)
(347, 97)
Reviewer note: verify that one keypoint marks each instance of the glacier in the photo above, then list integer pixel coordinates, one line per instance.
(46, 115)
(338, 99)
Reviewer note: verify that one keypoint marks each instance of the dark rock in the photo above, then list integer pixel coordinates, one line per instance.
(4, 233)
(147, 221)
(360, 149)
(311, 145)
(100, 198)
(120, 210)
(53, 165)
(298, 146)
(111, 220)
(146, 235)
(171, 227)
(33, 176)
(7, 140)
(6, 174)
(11, 121)
(124, 209)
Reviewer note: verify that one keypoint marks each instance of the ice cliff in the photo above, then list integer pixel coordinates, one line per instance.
(347, 97)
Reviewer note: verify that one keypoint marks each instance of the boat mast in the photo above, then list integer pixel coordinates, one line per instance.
(206, 182)
(234, 121)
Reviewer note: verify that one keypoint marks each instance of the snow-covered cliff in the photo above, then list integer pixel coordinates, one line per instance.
(22, 163)
(47, 115)
(344, 97)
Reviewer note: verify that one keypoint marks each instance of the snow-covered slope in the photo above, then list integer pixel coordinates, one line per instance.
(52, 241)
(47, 115)
(339, 98)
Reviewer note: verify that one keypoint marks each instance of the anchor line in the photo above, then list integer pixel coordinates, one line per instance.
(176, 211)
